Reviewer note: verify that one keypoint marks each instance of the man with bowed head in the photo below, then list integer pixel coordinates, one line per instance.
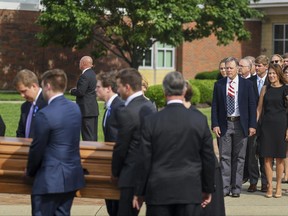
(126, 151)
(233, 118)
(54, 156)
(26, 83)
(177, 164)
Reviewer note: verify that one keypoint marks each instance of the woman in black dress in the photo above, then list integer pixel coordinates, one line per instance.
(273, 130)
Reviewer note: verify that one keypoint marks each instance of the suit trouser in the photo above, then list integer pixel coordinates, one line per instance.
(217, 206)
(232, 149)
(52, 204)
(112, 207)
(174, 210)
(125, 202)
(253, 163)
(89, 129)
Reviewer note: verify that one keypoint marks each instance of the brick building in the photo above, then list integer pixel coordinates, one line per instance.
(19, 49)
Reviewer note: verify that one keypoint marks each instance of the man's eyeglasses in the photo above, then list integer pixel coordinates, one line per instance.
(275, 61)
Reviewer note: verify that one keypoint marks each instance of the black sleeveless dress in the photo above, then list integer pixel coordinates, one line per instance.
(273, 123)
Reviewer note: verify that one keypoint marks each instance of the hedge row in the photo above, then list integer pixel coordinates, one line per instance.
(202, 92)
(210, 75)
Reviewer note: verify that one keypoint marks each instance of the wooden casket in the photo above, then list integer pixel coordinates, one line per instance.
(95, 157)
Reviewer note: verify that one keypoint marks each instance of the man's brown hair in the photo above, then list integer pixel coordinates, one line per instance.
(57, 78)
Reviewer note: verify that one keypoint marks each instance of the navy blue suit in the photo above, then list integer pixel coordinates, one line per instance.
(246, 101)
(25, 108)
(54, 157)
(233, 137)
(110, 131)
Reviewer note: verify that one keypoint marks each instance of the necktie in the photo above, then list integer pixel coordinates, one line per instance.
(231, 99)
(106, 115)
(260, 84)
(28, 121)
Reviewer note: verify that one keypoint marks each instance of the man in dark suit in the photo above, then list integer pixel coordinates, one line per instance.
(26, 83)
(2, 127)
(54, 155)
(178, 163)
(233, 120)
(86, 99)
(106, 89)
(261, 64)
(125, 153)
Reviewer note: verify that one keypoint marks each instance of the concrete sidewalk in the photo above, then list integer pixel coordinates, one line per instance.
(249, 204)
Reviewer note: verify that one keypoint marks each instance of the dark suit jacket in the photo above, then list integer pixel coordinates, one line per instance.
(178, 157)
(111, 127)
(125, 153)
(246, 101)
(54, 157)
(25, 108)
(86, 95)
(2, 127)
(255, 86)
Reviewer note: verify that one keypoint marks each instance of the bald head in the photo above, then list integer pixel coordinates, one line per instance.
(85, 62)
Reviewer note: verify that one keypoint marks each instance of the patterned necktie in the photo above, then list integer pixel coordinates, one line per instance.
(28, 121)
(231, 99)
(260, 84)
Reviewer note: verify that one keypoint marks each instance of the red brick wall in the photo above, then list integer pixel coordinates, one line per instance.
(205, 55)
(19, 49)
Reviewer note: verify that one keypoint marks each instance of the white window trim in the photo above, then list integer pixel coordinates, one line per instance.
(283, 40)
(154, 47)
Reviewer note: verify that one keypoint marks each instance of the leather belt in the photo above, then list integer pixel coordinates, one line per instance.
(233, 118)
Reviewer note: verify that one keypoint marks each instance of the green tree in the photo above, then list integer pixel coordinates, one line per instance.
(128, 28)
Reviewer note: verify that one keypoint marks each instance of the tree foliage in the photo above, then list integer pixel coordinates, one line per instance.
(128, 28)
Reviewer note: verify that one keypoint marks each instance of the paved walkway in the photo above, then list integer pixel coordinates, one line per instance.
(249, 204)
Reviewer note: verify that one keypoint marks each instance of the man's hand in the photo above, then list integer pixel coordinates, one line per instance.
(71, 90)
(27, 179)
(252, 131)
(206, 199)
(114, 180)
(286, 137)
(137, 202)
(217, 131)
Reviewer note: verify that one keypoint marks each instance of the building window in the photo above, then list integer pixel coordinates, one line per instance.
(164, 57)
(280, 39)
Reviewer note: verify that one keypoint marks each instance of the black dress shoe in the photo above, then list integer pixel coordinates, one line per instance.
(235, 195)
(252, 188)
(264, 188)
(226, 194)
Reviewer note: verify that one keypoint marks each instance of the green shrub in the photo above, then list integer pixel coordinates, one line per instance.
(208, 75)
(196, 94)
(206, 89)
(155, 93)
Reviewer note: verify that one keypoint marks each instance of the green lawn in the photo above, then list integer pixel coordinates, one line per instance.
(10, 112)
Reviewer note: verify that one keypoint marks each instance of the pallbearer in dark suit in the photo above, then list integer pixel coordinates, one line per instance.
(178, 163)
(86, 99)
(106, 89)
(126, 151)
(233, 120)
(54, 155)
(26, 83)
(217, 206)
